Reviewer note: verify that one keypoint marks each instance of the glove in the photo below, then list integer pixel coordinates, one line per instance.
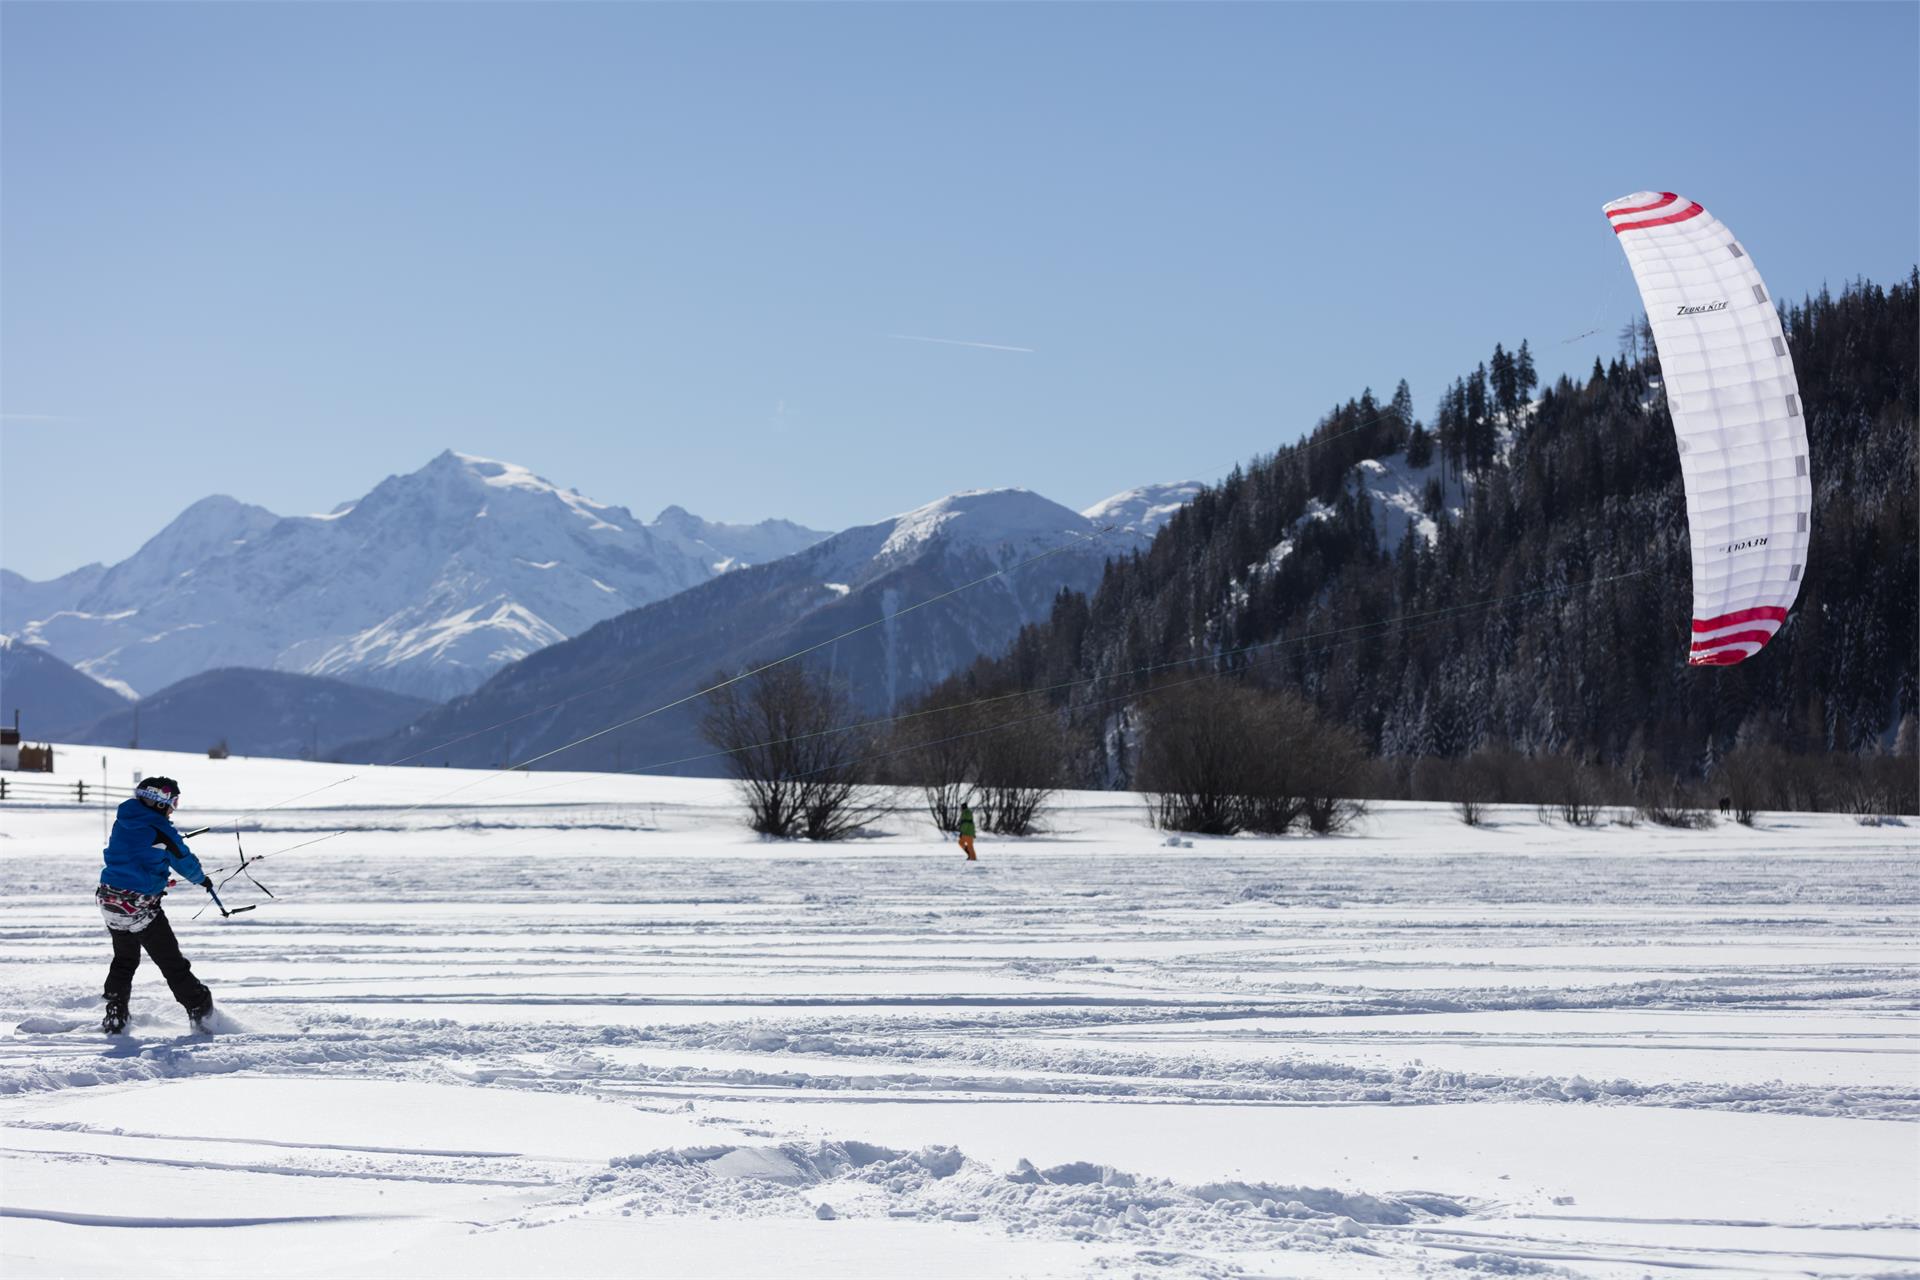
(206, 883)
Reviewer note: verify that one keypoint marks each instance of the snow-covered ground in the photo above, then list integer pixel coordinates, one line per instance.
(582, 1025)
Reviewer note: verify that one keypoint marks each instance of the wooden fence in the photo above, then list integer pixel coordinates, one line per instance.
(15, 789)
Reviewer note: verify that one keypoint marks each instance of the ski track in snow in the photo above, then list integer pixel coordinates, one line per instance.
(547, 1041)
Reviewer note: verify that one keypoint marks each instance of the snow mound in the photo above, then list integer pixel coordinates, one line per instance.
(43, 1026)
(804, 1164)
(1081, 1200)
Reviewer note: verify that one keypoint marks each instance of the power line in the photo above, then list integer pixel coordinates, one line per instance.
(735, 679)
(1431, 617)
(1296, 450)
(1336, 638)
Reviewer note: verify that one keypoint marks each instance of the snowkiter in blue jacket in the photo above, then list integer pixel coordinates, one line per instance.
(143, 848)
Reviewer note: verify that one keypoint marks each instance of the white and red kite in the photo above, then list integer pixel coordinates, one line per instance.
(1736, 413)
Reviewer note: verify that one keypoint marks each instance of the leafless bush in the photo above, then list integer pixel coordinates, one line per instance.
(1760, 776)
(1003, 757)
(1889, 784)
(1327, 761)
(1580, 811)
(802, 771)
(1276, 796)
(1021, 763)
(939, 752)
(1471, 812)
(1669, 813)
(1200, 755)
(1678, 805)
(1220, 758)
(1567, 788)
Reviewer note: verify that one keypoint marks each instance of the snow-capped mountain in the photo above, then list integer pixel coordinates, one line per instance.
(894, 581)
(425, 586)
(731, 546)
(1144, 510)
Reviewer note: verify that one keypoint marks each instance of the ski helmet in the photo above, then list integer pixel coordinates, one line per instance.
(161, 793)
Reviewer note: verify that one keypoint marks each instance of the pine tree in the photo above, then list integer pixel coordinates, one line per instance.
(1591, 489)
(1419, 446)
(1506, 396)
(1402, 407)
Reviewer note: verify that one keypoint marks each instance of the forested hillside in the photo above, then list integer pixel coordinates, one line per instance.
(1542, 607)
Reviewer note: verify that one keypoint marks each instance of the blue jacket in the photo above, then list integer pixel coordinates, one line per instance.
(141, 848)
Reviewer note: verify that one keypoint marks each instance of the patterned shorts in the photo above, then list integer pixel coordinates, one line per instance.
(125, 910)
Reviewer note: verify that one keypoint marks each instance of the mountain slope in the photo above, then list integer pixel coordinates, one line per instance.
(1145, 510)
(427, 585)
(22, 600)
(54, 700)
(256, 713)
(1539, 602)
(730, 546)
(876, 579)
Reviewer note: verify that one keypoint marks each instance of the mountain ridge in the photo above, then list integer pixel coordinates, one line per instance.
(878, 607)
(425, 585)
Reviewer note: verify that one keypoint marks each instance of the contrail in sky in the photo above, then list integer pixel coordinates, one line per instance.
(959, 342)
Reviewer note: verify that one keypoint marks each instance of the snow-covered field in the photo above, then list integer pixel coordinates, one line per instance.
(578, 1025)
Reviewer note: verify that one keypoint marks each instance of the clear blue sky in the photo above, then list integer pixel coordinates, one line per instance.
(656, 251)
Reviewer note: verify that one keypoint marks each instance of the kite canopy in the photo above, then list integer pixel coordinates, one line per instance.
(1736, 415)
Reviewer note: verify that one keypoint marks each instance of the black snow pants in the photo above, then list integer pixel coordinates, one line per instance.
(158, 940)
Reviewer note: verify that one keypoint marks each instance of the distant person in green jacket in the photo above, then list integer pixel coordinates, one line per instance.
(966, 831)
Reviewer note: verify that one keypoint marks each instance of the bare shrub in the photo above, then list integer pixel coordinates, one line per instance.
(1275, 775)
(1466, 783)
(1875, 787)
(1021, 763)
(1567, 788)
(939, 752)
(1220, 758)
(1898, 779)
(1681, 806)
(1747, 776)
(1003, 757)
(1761, 776)
(803, 772)
(1199, 757)
(1580, 811)
(1672, 810)
(1580, 801)
(1327, 762)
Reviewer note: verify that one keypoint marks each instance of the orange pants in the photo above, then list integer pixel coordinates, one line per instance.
(966, 842)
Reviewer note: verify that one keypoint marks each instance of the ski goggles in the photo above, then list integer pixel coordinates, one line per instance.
(168, 800)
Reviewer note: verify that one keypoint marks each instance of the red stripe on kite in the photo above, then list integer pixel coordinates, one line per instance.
(1737, 637)
(1762, 613)
(1719, 658)
(1666, 198)
(1691, 211)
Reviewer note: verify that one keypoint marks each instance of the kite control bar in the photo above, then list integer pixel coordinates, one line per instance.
(224, 913)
